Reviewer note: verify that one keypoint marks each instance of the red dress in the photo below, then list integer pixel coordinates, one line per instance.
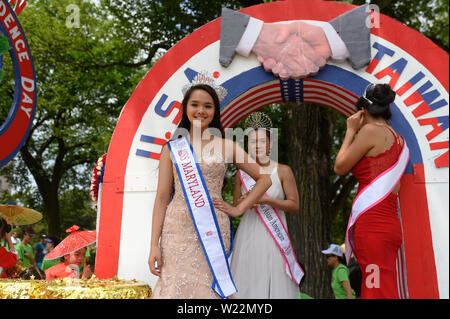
(58, 271)
(377, 233)
(7, 260)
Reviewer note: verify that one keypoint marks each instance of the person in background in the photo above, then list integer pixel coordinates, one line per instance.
(355, 274)
(8, 259)
(15, 237)
(24, 249)
(340, 282)
(70, 266)
(32, 273)
(40, 251)
(258, 265)
(51, 243)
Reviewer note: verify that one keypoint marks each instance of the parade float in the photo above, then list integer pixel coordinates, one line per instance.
(413, 65)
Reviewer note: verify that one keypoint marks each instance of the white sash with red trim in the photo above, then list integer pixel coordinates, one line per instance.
(374, 193)
(203, 215)
(272, 221)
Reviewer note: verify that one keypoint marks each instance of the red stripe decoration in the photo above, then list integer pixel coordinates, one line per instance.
(254, 107)
(315, 91)
(241, 101)
(323, 98)
(323, 92)
(347, 96)
(240, 108)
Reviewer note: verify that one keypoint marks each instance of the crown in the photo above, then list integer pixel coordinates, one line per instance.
(204, 77)
(258, 120)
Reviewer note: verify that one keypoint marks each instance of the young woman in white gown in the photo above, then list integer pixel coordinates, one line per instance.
(257, 264)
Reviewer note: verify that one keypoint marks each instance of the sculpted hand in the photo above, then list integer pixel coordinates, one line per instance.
(292, 50)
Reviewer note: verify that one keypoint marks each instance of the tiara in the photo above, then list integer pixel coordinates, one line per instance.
(368, 88)
(258, 120)
(203, 77)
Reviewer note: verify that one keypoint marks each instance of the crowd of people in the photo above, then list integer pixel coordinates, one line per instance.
(22, 254)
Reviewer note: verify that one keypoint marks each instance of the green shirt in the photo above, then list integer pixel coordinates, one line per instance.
(21, 250)
(340, 274)
(46, 264)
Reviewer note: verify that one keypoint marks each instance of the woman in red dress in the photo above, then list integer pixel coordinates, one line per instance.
(377, 234)
(7, 258)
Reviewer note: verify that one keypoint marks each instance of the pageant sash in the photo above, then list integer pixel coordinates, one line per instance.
(374, 193)
(203, 215)
(272, 221)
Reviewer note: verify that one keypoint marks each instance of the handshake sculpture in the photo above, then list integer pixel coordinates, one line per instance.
(297, 49)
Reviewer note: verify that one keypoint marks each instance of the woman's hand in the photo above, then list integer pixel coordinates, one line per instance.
(355, 121)
(87, 272)
(155, 258)
(223, 206)
(240, 199)
(264, 200)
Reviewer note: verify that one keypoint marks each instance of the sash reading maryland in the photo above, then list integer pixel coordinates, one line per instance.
(374, 193)
(272, 221)
(203, 215)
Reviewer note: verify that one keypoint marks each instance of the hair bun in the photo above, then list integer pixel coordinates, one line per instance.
(383, 95)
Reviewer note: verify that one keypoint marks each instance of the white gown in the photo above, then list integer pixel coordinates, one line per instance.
(257, 265)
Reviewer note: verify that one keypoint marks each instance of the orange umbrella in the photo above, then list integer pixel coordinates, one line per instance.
(18, 215)
(75, 241)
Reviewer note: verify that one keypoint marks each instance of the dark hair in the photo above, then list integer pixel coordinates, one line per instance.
(32, 271)
(376, 100)
(186, 124)
(54, 240)
(342, 260)
(29, 231)
(4, 227)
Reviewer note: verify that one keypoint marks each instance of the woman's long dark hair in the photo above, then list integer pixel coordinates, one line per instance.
(186, 124)
(4, 228)
(376, 100)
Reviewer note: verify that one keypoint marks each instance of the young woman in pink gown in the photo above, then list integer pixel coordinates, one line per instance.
(176, 254)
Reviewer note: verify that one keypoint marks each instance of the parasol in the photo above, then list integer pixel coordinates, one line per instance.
(75, 241)
(18, 215)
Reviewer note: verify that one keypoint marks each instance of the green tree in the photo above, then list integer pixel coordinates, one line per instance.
(77, 107)
(89, 57)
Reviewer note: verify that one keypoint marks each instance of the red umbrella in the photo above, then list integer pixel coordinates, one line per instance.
(75, 241)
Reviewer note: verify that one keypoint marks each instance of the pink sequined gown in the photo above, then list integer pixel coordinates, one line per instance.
(185, 273)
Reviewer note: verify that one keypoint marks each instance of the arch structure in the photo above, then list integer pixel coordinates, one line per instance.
(416, 69)
(15, 129)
